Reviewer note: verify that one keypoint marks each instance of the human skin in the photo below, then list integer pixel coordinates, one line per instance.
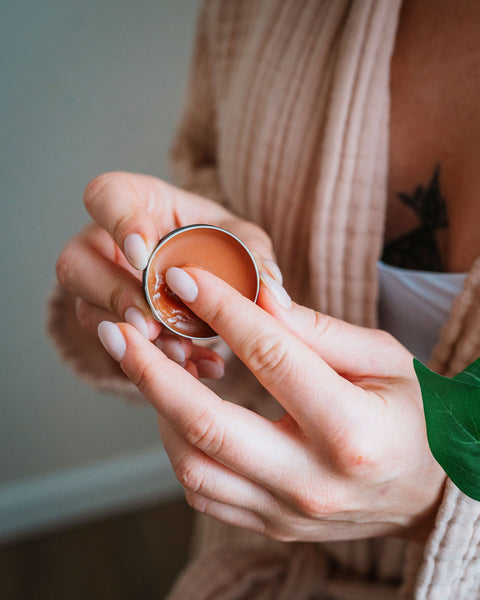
(130, 213)
(435, 120)
(348, 460)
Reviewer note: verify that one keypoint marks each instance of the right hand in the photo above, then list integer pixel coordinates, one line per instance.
(102, 265)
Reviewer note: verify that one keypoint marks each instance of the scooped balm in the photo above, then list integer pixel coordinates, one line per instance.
(207, 247)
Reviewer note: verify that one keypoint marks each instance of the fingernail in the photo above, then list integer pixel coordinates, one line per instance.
(134, 316)
(78, 305)
(112, 339)
(278, 292)
(191, 368)
(172, 348)
(273, 270)
(136, 251)
(210, 369)
(181, 284)
(270, 266)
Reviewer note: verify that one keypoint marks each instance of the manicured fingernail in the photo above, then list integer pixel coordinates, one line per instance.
(181, 284)
(78, 305)
(273, 269)
(134, 316)
(210, 369)
(112, 339)
(278, 292)
(191, 368)
(172, 348)
(268, 266)
(136, 251)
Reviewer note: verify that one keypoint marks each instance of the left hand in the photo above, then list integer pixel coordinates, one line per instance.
(101, 267)
(349, 459)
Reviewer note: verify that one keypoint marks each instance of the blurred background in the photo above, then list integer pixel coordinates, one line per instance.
(87, 87)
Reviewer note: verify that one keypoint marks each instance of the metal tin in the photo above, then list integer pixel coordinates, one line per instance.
(208, 247)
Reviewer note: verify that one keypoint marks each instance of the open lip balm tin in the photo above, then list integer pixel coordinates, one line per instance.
(207, 247)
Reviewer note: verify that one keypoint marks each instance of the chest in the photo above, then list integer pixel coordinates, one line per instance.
(435, 124)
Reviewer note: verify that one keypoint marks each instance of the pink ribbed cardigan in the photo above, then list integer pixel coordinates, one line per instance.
(286, 123)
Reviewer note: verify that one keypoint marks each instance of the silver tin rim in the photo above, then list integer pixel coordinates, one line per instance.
(163, 241)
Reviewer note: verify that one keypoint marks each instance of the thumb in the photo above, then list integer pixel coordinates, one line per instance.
(349, 349)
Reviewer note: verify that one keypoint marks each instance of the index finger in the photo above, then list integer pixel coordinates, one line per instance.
(306, 386)
(122, 204)
(228, 433)
(137, 210)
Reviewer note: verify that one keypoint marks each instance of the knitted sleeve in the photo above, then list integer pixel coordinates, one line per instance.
(448, 568)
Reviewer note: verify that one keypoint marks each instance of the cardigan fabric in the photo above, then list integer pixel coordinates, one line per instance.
(286, 123)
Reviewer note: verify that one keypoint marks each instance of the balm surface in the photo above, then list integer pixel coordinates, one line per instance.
(204, 246)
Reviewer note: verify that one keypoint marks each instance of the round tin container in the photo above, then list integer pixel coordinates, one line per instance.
(207, 247)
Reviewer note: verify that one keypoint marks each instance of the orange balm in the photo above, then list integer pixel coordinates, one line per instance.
(204, 246)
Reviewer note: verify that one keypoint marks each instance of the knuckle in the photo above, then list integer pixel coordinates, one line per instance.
(61, 268)
(65, 268)
(384, 337)
(206, 433)
(142, 375)
(269, 359)
(262, 238)
(106, 190)
(116, 296)
(189, 474)
(121, 224)
(311, 503)
(355, 459)
(197, 502)
(280, 535)
(82, 313)
(324, 324)
(218, 316)
(94, 191)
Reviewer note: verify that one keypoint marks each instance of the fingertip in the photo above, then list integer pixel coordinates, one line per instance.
(79, 303)
(187, 347)
(182, 284)
(210, 369)
(112, 339)
(134, 316)
(135, 250)
(172, 348)
(191, 368)
(266, 265)
(154, 329)
(276, 290)
(273, 270)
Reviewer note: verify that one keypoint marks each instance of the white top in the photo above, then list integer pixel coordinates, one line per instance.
(414, 305)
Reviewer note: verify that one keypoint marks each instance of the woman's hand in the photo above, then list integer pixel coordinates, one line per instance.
(102, 265)
(349, 459)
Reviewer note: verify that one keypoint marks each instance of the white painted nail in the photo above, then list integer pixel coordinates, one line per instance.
(210, 369)
(112, 339)
(278, 292)
(172, 348)
(136, 251)
(135, 317)
(270, 266)
(181, 284)
(191, 368)
(273, 269)
(78, 305)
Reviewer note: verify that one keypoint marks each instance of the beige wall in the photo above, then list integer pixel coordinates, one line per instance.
(86, 87)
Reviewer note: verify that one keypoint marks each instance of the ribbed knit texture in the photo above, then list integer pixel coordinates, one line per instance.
(285, 122)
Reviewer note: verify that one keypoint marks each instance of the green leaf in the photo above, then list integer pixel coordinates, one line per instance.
(452, 414)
